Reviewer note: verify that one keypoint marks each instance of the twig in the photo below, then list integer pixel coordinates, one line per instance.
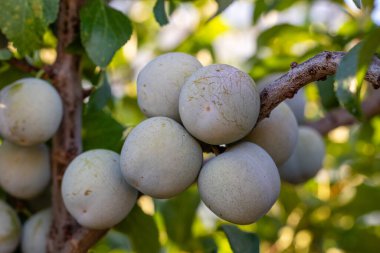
(340, 117)
(316, 68)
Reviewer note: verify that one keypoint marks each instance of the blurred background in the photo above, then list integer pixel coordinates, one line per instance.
(336, 212)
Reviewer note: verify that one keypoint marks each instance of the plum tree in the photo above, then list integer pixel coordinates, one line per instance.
(160, 81)
(277, 134)
(240, 185)
(307, 158)
(25, 171)
(160, 158)
(89, 103)
(10, 228)
(219, 104)
(94, 190)
(35, 232)
(30, 112)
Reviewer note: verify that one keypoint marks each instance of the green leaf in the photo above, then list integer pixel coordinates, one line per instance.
(358, 3)
(160, 12)
(240, 241)
(101, 95)
(179, 214)
(141, 230)
(103, 31)
(352, 70)
(5, 54)
(24, 22)
(100, 130)
(327, 94)
(222, 5)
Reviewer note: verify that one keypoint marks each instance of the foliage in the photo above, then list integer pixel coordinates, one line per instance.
(337, 211)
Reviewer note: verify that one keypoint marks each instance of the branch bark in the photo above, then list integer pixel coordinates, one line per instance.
(66, 235)
(314, 69)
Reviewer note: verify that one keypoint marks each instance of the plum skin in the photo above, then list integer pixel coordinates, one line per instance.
(160, 81)
(31, 111)
(307, 158)
(160, 158)
(35, 232)
(240, 185)
(277, 134)
(219, 104)
(94, 190)
(10, 228)
(25, 171)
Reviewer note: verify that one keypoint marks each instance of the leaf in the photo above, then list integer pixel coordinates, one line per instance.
(5, 54)
(327, 94)
(222, 5)
(178, 214)
(102, 94)
(352, 70)
(24, 22)
(160, 13)
(103, 31)
(141, 230)
(240, 241)
(100, 130)
(358, 3)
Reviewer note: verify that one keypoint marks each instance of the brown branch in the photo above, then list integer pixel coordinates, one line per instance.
(65, 234)
(316, 68)
(25, 66)
(340, 117)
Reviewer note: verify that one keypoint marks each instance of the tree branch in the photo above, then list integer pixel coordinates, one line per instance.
(66, 235)
(314, 69)
(341, 117)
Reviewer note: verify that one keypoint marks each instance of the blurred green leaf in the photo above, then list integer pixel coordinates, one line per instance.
(241, 241)
(346, 86)
(160, 12)
(327, 94)
(127, 111)
(103, 31)
(222, 5)
(100, 130)
(3, 41)
(5, 54)
(9, 74)
(358, 3)
(141, 230)
(102, 94)
(179, 213)
(351, 72)
(24, 22)
(111, 241)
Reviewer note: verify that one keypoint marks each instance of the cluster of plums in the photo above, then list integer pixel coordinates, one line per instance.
(188, 107)
(30, 113)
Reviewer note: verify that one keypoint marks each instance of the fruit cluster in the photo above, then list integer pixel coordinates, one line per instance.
(189, 107)
(30, 113)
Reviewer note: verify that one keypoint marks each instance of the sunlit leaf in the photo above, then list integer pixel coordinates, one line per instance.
(24, 22)
(103, 31)
(241, 241)
(351, 72)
